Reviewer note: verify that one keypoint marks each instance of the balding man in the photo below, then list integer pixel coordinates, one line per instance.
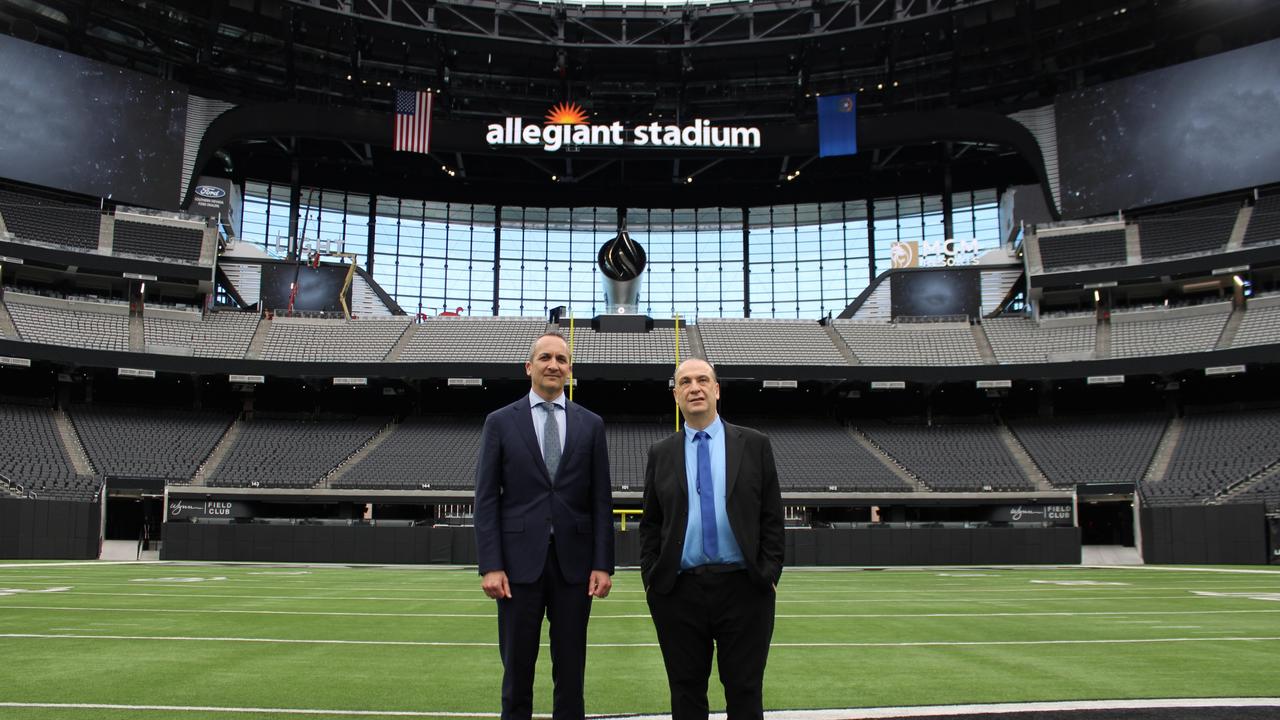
(711, 548)
(544, 530)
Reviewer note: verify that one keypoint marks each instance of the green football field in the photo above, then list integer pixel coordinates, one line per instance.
(199, 640)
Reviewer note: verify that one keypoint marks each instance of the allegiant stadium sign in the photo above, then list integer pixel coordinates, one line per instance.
(567, 126)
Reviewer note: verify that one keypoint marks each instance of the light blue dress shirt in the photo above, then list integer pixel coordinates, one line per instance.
(694, 554)
(540, 416)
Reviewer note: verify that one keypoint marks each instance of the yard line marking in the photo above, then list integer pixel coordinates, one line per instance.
(1274, 597)
(1162, 568)
(996, 708)
(872, 713)
(215, 611)
(431, 643)
(838, 591)
(281, 641)
(70, 563)
(968, 643)
(6, 592)
(645, 616)
(261, 711)
(781, 600)
(1080, 583)
(176, 580)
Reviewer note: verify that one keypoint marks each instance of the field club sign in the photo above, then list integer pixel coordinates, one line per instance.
(568, 126)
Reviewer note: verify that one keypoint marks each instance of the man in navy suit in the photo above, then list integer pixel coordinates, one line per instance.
(711, 548)
(544, 530)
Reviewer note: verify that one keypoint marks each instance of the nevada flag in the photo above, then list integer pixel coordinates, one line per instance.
(837, 126)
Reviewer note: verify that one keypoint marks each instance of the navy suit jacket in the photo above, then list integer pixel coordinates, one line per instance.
(753, 502)
(517, 503)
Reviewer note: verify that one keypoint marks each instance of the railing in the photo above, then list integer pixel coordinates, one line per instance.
(16, 487)
(906, 319)
(1267, 470)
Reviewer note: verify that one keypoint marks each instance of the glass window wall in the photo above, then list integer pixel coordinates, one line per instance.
(792, 261)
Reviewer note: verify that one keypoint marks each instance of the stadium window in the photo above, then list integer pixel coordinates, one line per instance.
(807, 260)
(266, 217)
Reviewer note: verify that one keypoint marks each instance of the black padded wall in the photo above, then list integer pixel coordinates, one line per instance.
(48, 529)
(1205, 534)
(456, 545)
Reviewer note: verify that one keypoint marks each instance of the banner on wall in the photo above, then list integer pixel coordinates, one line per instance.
(1055, 514)
(838, 125)
(187, 509)
(218, 198)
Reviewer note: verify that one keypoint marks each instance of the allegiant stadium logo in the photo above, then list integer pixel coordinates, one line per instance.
(567, 125)
(567, 114)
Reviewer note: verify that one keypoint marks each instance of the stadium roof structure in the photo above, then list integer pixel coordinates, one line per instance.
(935, 82)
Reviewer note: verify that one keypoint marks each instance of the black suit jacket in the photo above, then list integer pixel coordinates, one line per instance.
(753, 503)
(517, 504)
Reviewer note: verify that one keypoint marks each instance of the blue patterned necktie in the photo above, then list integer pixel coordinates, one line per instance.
(707, 496)
(551, 440)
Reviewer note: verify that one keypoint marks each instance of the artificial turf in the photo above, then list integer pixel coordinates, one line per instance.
(423, 639)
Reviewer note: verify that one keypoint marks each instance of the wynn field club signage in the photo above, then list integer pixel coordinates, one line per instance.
(567, 125)
(186, 509)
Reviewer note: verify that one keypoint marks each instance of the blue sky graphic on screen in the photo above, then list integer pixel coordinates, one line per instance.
(837, 125)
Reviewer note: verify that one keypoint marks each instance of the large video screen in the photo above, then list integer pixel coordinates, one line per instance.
(87, 127)
(1195, 129)
(317, 287)
(934, 293)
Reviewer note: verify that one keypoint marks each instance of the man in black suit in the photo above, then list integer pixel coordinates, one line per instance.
(544, 530)
(711, 548)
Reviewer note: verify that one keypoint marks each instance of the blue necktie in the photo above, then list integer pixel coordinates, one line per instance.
(707, 497)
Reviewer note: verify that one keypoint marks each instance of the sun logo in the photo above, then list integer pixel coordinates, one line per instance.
(567, 114)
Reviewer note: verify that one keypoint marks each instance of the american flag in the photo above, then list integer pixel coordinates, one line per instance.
(413, 121)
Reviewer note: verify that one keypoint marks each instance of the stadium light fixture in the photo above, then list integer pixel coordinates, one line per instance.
(135, 373)
(1104, 380)
(1224, 370)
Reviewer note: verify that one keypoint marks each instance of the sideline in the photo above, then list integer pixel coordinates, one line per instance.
(830, 714)
(429, 643)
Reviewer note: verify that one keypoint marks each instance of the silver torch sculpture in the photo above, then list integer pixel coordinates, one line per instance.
(621, 261)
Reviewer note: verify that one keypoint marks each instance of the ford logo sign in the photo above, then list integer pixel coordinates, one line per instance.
(210, 191)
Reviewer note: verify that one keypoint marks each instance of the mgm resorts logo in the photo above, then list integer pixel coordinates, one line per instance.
(933, 253)
(567, 125)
